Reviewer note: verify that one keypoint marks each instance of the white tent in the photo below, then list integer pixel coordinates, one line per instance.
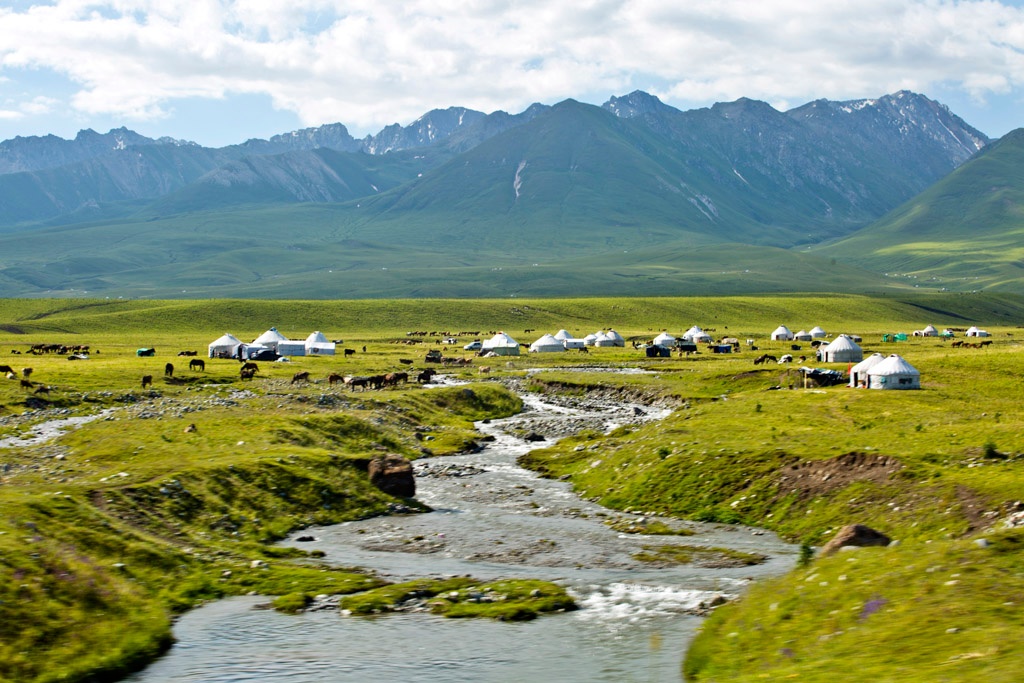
(930, 331)
(546, 344)
(574, 343)
(817, 332)
(270, 339)
(665, 339)
(782, 333)
(894, 373)
(841, 350)
(319, 345)
(590, 340)
(609, 338)
(859, 372)
(803, 335)
(225, 346)
(501, 345)
(975, 332)
(291, 347)
(563, 334)
(696, 335)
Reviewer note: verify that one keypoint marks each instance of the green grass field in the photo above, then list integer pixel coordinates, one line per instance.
(130, 518)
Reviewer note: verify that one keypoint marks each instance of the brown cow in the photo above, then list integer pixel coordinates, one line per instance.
(169, 370)
(334, 377)
(246, 373)
(300, 377)
(26, 384)
(249, 365)
(147, 380)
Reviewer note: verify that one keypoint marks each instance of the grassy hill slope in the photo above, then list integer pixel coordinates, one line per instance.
(965, 232)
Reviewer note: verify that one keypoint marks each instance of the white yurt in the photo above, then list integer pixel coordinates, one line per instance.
(894, 373)
(501, 345)
(841, 350)
(803, 335)
(563, 334)
(269, 339)
(665, 339)
(930, 331)
(615, 338)
(571, 343)
(590, 340)
(697, 336)
(225, 347)
(547, 344)
(782, 333)
(817, 332)
(859, 372)
(319, 345)
(976, 332)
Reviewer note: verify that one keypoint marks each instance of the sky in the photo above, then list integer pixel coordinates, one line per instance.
(219, 72)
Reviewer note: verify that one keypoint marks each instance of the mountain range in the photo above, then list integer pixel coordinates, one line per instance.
(630, 197)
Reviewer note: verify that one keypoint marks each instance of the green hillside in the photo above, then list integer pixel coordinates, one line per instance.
(964, 233)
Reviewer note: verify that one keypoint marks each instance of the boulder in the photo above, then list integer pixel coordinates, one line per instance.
(393, 474)
(856, 535)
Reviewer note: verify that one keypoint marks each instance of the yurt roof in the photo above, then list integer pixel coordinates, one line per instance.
(972, 329)
(842, 343)
(317, 338)
(817, 330)
(500, 339)
(612, 334)
(893, 365)
(869, 362)
(782, 329)
(271, 335)
(664, 337)
(590, 337)
(693, 330)
(930, 328)
(802, 333)
(563, 334)
(225, 340)
(547, 340)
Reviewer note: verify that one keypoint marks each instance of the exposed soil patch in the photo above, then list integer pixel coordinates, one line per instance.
(812, 478)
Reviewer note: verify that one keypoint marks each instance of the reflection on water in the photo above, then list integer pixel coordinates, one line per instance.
(493, 520)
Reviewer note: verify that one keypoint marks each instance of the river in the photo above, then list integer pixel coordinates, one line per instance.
(492, 519)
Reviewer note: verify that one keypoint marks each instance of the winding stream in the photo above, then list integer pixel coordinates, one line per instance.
(492, 519)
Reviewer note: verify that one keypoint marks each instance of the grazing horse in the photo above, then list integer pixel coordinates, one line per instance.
(334, 377)
(147, 380)
(246, 373)
(354, 382)
(197, 364)
(425, 376)
(350, 352)
(169, 370)
(584, 349)
(300, 377)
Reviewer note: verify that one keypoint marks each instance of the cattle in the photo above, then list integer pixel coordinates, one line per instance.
(25, 372)
(584, 349)
(169, 370)
(191, 428)
(43, 389)
(6, 368)
(188, 353)
(375, 381)
(197, 364)
(147, 380)
(788, 358)
(249, 365)
(11, 375)
(334, 377)
(766, 358)
(16, 351)
(26, 384)
(405, 361)
(350, 352)
(425, 376)
(484, 369)
(246, 373)
(300, 377)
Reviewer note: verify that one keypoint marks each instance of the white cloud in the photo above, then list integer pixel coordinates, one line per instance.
(367, 64)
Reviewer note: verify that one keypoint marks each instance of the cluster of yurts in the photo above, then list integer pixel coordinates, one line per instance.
(877, 371)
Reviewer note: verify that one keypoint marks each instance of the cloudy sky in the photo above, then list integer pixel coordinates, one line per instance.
(221, 71)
